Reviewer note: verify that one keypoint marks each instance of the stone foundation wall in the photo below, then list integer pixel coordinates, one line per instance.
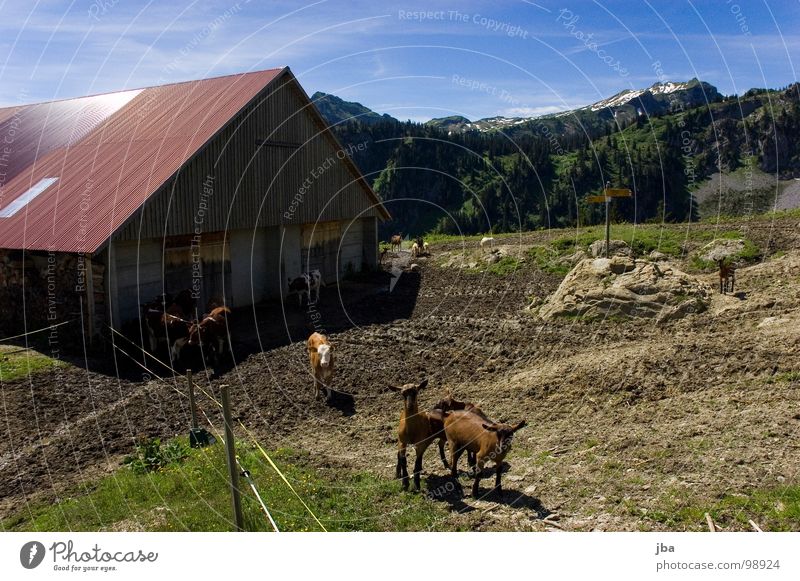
(39, 289)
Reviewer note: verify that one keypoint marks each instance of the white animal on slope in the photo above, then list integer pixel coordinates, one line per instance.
(415, 250)
(425, 249)
(306, 284)
(486, 241)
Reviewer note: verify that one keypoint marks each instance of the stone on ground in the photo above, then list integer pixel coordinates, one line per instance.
(622, 287)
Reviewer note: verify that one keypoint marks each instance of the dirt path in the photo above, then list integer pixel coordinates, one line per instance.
(624, 418)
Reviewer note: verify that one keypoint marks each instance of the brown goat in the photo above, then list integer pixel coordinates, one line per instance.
(450, 404)
(436, 420)
(396, 242)
(727, 276)
(467, 431)
(418, 429)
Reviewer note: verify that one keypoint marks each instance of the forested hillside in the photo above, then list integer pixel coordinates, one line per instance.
(451, 175)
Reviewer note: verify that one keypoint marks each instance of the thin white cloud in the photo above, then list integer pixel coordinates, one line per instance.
(532, 111)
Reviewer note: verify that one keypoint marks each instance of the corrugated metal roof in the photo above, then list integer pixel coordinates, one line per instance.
(109, 152)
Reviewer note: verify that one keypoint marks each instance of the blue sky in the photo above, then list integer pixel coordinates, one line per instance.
(476, 59)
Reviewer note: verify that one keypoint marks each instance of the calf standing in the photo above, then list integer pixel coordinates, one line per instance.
(306, 284)
(396, 241)
(211, 332)
(727, 276)
(166, 326)
(320, 355)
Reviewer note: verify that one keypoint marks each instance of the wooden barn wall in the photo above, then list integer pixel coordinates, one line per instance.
(235, 184)
(370, 241)
(39, 289)
(135, 278)
(252, 265)
(350, 257)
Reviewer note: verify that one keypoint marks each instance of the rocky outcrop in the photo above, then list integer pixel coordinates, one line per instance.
(622, 287)
(722, 249)
(616, 247)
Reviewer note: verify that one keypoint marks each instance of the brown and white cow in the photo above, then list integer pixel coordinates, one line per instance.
(396, 241)
(167, 319)
(164, 324)
(320, 355)
(210, 334)
(306, 284)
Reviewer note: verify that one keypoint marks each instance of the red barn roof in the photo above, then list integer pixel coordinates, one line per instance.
(108, 153)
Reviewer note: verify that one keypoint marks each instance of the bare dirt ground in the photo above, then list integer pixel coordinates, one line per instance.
(624, 418)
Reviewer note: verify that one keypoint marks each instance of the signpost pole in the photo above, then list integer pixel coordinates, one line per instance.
(608, 194)
(608, 226)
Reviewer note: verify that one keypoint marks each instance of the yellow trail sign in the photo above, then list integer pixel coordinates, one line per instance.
(597, 199)
(618, 192)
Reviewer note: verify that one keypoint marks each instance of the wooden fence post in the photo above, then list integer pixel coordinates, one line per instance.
(230, 448)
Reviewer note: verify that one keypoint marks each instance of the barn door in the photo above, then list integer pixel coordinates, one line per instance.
(320, 247)
(216, 266)
(205, 269)
(177, 268)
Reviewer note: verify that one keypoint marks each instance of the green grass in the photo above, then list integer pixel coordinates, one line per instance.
(547, 259)
(788, 377)
(644, 238)
(432, 237)
(773, 509)
(750, 253)
(193, 495)
(505, 266)
(670, 239)
(16, 363)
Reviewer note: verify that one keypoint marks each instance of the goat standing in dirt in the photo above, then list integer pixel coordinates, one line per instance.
(467, 431)
(727, 276)
(396, 242)
(320, 355)
(416, 429)
(450, 404)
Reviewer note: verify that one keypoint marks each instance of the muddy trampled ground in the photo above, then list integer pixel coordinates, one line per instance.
(624, 417)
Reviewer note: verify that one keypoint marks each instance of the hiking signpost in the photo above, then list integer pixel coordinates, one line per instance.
(608, 195)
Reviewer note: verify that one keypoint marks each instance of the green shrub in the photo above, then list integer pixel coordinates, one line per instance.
(151, 455)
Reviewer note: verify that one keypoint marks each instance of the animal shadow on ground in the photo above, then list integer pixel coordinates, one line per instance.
(344, 402)
(741, 295)
(453, 492)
